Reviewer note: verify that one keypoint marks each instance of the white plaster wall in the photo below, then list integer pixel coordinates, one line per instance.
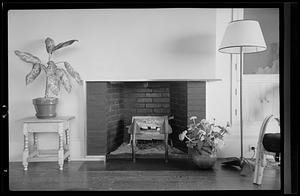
(113, 44)
(218, 92)
(218, 97)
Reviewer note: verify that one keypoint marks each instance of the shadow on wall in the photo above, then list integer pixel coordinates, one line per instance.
(194, 45)
(268, 93)
(34, 46)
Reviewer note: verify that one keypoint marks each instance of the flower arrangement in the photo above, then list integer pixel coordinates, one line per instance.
(204, 136)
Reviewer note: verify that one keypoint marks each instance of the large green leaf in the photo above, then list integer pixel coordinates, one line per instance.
(49, 45)
(27, 57)
(35, 71)
(64, 79)
(64, 44)
(73, 73)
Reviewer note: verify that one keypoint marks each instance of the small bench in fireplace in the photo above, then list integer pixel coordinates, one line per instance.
(149, 128)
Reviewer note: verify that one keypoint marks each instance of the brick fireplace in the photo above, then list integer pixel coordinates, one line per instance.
(111, 105)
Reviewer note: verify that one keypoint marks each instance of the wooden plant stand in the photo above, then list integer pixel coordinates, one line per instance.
(33, 126)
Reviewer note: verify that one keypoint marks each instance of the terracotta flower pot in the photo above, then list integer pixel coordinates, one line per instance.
(45, 107)
(202, 159)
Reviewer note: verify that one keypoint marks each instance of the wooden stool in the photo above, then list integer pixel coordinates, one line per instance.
(59, 125)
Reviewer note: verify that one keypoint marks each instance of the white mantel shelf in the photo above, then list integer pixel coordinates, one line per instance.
(158, 80)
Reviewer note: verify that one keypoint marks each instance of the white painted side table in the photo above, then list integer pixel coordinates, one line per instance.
(35, 126)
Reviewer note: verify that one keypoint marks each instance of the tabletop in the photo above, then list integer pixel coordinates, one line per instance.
(56, 119)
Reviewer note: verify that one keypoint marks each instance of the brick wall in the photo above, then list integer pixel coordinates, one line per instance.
(145, 99)
(96, 105)
(196, 95)
(115, 115)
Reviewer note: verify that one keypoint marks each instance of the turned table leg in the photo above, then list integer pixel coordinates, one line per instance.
(35, 143)
(61, 147)
(68, 143)
(26, 150)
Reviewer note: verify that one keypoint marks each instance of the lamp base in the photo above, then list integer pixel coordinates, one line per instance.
(246, 167)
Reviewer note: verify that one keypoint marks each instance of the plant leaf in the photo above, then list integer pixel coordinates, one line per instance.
(51, 68)
(53, 84)
(73, 73)
(35, 71)
(49, 45)
(27, 57)
(206, 150)
(64, 44)
(64, 79)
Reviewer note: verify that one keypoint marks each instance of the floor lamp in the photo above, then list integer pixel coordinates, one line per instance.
(242, 36)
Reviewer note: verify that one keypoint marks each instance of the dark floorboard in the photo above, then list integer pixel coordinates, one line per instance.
(139, 165)
(145, 174)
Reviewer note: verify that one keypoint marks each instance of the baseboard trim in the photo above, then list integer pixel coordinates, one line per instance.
(91, 158)
(86, 158)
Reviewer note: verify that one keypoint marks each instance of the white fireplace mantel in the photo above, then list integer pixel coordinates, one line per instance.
(156, 80)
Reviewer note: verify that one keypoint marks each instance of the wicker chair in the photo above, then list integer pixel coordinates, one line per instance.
(267, 142)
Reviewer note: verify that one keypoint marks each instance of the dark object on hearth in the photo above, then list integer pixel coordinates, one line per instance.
(232, 161)
(267, 142)
(247, 168)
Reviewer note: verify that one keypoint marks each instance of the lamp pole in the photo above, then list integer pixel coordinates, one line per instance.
(240, 35)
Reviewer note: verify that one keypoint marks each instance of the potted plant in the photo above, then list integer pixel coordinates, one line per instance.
(55, 77)
(203, 139)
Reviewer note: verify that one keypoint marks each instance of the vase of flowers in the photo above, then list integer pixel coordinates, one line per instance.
(203, 139)
(56, 77)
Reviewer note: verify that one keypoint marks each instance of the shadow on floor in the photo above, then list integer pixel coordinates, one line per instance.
(139, 165)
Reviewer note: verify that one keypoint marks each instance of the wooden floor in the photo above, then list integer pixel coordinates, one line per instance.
(145, 174)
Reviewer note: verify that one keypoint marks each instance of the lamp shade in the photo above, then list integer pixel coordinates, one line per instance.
(245, 34)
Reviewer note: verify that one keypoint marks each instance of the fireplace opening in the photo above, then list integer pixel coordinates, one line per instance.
(111, 106)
